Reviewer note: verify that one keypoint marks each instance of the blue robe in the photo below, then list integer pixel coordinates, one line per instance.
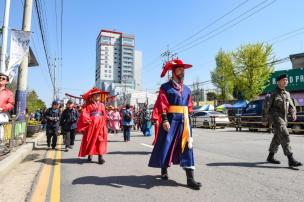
(167, 149)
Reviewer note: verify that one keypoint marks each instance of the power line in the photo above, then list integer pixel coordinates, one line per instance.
(43, 36)
(200, 40)
(210, 24)
(185, 47)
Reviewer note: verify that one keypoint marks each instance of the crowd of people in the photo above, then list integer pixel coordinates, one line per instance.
(173, 143)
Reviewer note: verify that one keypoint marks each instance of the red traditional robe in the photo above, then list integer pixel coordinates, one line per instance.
(92, 123)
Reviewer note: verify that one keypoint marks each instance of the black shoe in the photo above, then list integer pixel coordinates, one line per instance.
(100, 159)
(164, 174)
(89, 158)
(190, 180)
(292, 162)
(271, 159)
(48, 145)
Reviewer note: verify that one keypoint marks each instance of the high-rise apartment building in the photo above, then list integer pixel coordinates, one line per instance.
(115, 61)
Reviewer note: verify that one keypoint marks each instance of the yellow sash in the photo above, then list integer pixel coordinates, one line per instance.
(186, 131)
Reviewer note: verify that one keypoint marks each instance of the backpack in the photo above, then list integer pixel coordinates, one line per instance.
(127, 116)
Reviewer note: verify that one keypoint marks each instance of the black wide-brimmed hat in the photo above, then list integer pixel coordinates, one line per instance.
(282, 76)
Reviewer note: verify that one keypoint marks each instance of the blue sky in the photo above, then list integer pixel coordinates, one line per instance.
(156, 25)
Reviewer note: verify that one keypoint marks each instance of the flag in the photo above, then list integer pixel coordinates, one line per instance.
(20, 41)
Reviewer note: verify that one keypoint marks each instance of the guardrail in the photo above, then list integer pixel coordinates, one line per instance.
(212, 124)
(12, 134)
(253, 123)
(243, 122)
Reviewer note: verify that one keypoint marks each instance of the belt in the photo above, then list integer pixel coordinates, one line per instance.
(96, 114)
(186, 132)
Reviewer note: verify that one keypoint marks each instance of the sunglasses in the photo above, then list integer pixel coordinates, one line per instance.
(3, 78)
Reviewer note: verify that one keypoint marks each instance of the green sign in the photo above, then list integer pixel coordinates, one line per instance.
(295, 80)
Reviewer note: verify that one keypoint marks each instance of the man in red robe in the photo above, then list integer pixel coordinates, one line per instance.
(92, 123)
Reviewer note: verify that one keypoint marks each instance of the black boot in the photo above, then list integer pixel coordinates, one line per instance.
(164, 174)
(292, 162)
(190, 180)
(100, 159)
(271, 159)
(89, 158)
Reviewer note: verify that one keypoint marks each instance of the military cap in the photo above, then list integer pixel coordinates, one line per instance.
(282, 76)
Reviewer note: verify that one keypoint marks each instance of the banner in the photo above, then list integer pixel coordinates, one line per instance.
(20, 41)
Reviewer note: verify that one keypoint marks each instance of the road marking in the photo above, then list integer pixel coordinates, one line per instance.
(44, 178)
(150, 146)
(55, 192)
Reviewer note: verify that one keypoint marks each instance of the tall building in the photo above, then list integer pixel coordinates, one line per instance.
(138, 67)
(115, 62)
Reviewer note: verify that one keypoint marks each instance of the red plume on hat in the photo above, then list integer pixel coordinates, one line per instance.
(91, 92)
(173, 64)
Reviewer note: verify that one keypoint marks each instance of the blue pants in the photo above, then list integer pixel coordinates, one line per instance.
(126, 132)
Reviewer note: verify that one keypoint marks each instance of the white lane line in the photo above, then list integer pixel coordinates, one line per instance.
(143, 144)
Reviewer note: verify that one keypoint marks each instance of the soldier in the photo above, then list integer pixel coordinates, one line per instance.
(276, 109)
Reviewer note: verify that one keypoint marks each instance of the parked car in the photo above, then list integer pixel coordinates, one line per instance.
(295, 127)
(204, 119)
(252, 117)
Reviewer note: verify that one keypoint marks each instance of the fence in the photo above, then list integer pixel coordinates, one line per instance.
(12, 134)
(254, 123)
(210, 124)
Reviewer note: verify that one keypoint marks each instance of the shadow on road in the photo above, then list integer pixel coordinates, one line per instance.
(246, 164)
(50, 161)
(145, 181)
(115, 141)
(129, 153)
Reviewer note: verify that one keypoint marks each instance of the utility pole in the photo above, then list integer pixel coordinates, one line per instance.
(167, 56)
(4, 35)
(23, 69)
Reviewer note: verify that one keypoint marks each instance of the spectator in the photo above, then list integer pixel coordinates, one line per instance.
(6, 98)
(127, 123)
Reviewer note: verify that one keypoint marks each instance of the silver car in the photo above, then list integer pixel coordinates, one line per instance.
(209, 119)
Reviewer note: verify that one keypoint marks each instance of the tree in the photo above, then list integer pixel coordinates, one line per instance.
(211, 96)
(33, 102)
(222, 76)
(252, 69)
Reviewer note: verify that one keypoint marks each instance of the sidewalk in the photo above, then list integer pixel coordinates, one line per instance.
(20, 169)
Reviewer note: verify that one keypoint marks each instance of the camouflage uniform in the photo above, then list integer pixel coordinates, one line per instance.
(276, 110)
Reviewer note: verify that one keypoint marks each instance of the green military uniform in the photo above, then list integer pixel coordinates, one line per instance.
(277, 107)
(275, 110)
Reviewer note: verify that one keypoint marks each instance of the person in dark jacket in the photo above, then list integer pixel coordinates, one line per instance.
(127, 122)
(68, 122)
(52, 116)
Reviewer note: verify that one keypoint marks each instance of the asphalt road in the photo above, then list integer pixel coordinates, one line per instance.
(231, 166)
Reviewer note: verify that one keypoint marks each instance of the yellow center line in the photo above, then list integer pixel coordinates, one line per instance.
(43, 181)
(55, 192)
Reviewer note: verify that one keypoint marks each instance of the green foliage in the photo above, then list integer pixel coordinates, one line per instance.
(222, 76)
(252, 68)
(211, 96)
(33, 122)
(244, 72)
(33, 102)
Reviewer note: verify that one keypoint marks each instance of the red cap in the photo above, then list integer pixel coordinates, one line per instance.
(172, 64)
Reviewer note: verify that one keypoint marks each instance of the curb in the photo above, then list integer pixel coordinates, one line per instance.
(16, 157)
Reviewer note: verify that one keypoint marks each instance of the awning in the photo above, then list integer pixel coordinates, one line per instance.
(240, 104)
